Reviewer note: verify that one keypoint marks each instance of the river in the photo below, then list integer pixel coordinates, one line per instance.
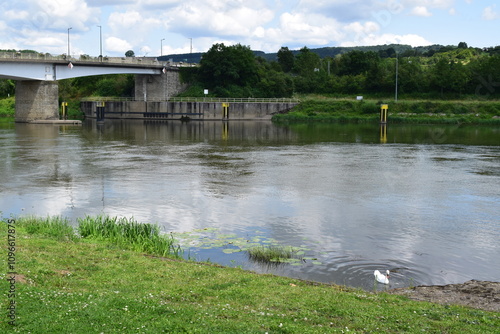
(421, 201)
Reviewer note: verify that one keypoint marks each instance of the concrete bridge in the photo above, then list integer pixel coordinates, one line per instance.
(37, 92)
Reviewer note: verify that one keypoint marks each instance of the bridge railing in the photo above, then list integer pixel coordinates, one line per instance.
(194, 99)
(31, 56)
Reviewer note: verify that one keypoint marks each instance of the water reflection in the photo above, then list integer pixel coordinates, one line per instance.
(423, 204)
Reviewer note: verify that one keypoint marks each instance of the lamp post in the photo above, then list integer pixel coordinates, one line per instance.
(396, 92)
(68, 41)
(100, 43)
(161, 46)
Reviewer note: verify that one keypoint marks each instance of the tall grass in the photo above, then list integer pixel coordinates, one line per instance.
(271, 254)
(56, 227)
(128, 233)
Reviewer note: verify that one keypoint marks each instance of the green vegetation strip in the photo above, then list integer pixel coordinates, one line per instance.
(69, 284)
(368, 111)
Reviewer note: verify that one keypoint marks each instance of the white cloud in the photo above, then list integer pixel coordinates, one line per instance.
(262, 24)
(132, 26)
(305, 29)
(223, 18)
(421, 11)
(440, 4)
(115, 44)
(489, 13)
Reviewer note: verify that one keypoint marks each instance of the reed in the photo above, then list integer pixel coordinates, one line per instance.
(129, 233)
(271, 254)
(56, 227)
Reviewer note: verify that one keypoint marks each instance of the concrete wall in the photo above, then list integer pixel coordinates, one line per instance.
(37, 100)
(158, 87)
(193, 110)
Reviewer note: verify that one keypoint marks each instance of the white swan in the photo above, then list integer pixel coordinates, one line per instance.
(381, 278)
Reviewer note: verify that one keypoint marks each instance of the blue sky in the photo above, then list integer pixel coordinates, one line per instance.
(154, 27)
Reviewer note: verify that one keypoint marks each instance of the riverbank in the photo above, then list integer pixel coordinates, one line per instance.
(405, 111)
(66, 283)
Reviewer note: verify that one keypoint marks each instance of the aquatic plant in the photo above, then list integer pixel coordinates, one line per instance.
(129, 233)
(272, 254)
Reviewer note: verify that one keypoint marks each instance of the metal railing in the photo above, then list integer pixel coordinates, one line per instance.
(107, 99)
(193, 99)
(30, 56)
(233, 100)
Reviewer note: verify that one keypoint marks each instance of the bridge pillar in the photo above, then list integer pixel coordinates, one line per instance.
(36, 100)
(158, 87)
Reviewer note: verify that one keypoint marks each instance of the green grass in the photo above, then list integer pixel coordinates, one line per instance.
(271, 254)
(55, 227)
(92, 285)
(322, 109)
(128, 233)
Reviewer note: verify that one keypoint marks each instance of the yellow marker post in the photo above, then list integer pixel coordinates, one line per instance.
(383, 133)
(225, 110)
(64, 107)
(384, 108)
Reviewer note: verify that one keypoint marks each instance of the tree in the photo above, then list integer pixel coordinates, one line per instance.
(7, 87)
(286, 59)
(357, 62)
(130, 53)
(226, 67)
(306, 62)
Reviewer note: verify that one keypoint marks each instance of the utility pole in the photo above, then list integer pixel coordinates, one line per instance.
(161, 47)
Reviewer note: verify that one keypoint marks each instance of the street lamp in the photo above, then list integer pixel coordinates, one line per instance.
(100, 42)
(68, 41)
(396, 92)
(161, 46)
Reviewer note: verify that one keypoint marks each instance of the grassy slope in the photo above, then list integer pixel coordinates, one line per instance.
(83, 286)
(408, 111)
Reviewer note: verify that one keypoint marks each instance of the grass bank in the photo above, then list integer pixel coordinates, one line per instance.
(407, 111)
(69, 284)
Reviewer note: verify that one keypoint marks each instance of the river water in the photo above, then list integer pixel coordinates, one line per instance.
(421, 201)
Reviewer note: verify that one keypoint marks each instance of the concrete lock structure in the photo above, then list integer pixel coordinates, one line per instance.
(185, 108)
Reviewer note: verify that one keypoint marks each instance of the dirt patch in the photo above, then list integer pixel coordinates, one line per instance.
(483, 295)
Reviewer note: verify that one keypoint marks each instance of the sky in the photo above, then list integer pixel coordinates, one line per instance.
(160, 27)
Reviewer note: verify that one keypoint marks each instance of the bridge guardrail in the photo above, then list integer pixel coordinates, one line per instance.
(30, 56)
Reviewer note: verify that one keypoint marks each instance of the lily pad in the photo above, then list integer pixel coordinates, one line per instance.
(231, 250)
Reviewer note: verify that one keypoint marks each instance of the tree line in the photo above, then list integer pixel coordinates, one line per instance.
(450, 72)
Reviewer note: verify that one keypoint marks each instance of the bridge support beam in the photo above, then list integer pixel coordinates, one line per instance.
(158, 87)
(37, 100)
